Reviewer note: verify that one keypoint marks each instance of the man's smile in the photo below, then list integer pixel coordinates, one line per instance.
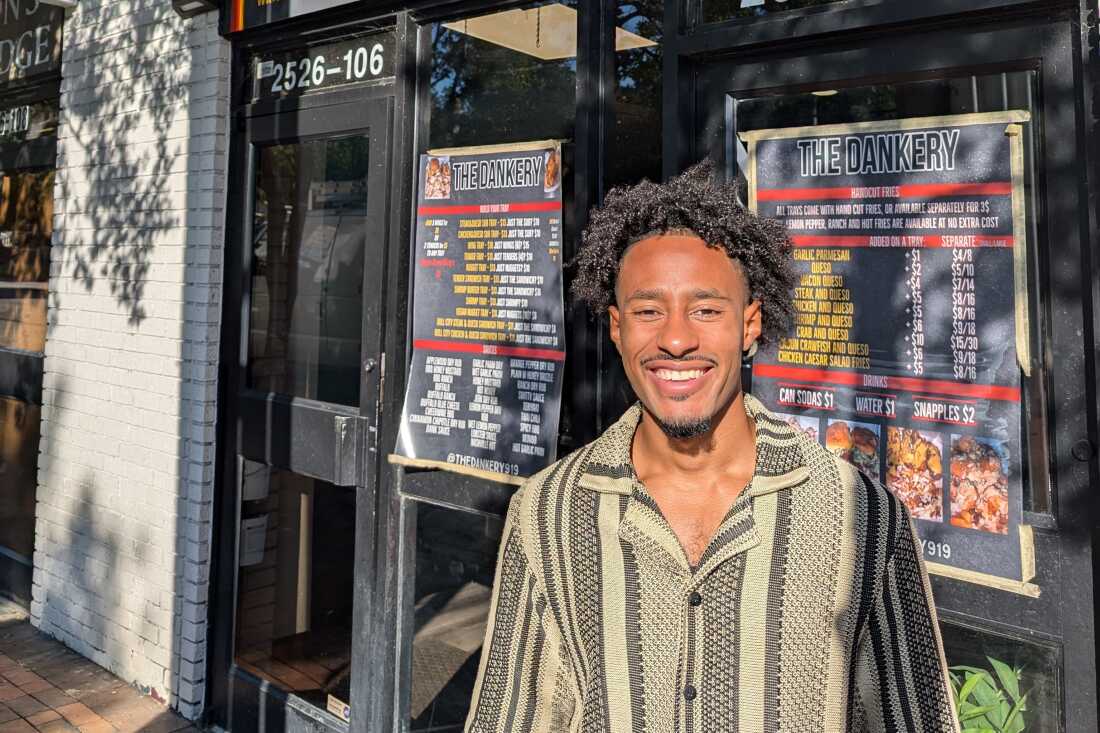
(678, 379)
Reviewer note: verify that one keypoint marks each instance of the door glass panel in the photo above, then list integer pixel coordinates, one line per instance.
(296, 554)
(26, 224)
(309, 229)
(456, 555)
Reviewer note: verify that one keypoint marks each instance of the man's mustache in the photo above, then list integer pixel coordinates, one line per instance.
(668, 357)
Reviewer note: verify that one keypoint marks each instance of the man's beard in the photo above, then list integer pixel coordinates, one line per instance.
(683, 428)
(691, 427)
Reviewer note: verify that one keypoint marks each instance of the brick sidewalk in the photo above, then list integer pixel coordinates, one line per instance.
(46, 687)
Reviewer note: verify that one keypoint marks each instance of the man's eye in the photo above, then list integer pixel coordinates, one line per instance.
(708, 312)
(647, 312)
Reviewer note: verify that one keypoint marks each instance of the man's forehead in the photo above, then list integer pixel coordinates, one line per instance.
(659, 252)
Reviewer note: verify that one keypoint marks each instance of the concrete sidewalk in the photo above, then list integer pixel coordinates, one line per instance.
(46, 687)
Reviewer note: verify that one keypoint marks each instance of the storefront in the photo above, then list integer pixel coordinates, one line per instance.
(30, 65)
(934, 162)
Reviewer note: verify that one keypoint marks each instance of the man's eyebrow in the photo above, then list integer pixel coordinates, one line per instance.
(646, 294)
(710, 295)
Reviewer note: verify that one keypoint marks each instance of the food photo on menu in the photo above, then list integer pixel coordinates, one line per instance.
(437, 179)
(855, 442)
(914, 471)
(979, 484)
(552, 176)
(802, 424)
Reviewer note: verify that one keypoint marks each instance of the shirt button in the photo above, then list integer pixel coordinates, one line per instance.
(695, 599)
(689, 693)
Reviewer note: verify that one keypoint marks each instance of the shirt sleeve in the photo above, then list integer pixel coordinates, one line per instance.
(524, 681)
(901, 679)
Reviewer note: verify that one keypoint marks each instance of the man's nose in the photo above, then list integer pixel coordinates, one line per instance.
(677, 336)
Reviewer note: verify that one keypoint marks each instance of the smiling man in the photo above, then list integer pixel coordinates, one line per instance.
(701, 566)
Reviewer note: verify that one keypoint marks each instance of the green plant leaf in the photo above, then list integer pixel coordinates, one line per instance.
(974, 711)
(965, 668)
(1014, 723)
(986, 693)
(967, 689)
(1008, 677)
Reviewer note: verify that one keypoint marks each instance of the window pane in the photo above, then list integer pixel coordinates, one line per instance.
(716, 11)
(19, 426)
(26, 224)
(456, 556)
(511, 76)
(635, 145)
(508, 76)
(309, 228)
(1009, 668)
(294, 591)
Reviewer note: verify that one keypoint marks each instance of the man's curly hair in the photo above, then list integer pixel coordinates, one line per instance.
(692, 201)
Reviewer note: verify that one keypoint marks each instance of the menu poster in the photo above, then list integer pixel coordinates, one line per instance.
(485, 383)
(911, 320)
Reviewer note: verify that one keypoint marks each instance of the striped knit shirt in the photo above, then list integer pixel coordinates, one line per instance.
(809, 611)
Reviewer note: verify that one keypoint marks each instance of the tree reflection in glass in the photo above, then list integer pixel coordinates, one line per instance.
(486, 93)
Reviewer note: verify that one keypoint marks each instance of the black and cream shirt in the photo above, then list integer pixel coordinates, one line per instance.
(809, 611)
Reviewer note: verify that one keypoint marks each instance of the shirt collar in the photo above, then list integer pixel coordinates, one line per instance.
(780, 462)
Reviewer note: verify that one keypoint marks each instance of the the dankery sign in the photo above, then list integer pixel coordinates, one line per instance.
(30, 39)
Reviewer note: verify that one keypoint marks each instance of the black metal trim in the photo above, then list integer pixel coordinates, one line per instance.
(457, 491)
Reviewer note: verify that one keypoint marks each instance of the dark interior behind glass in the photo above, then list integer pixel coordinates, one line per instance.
(456, 555)
(1009, 669)
(295, 582)
(309, 225)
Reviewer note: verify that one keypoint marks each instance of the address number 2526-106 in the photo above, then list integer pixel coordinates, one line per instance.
(357, 64)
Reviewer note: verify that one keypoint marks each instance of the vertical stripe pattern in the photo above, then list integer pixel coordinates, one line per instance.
(809, 611)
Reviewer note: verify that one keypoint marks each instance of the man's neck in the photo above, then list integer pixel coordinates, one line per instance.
(729, 447)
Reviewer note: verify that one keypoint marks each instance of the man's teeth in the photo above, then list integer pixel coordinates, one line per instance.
(677, 375)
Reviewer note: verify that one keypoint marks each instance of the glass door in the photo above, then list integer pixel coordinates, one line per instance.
(937, 282)
(306, 398)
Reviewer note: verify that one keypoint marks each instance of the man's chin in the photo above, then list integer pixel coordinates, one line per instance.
(682, 427)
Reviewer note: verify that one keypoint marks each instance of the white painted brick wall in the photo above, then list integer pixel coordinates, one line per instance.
(126, 468)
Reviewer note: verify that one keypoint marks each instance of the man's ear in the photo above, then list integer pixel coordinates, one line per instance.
(613, 312)
(754, 324)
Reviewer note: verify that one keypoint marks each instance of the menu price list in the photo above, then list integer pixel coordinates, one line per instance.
(485, 384)
(897, 362)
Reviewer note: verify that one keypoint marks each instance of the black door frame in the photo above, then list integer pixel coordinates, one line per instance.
(1064, 613)
(348, 432)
